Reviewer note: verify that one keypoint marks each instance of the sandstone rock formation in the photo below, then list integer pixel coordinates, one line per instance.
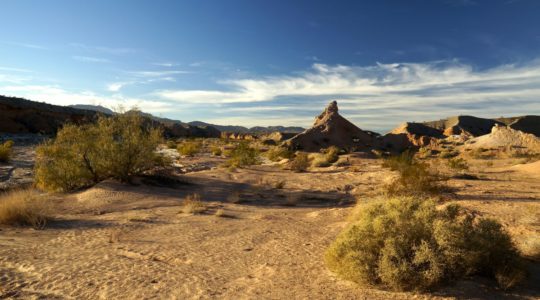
(331, 129)
(503, 136)
(463, 125)
(527, 124)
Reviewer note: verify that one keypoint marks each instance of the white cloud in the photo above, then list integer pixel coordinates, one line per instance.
(440, 87)
(26, 45)
(428, 80)
(90, 59)
(20, 70)
(165, 64)
(115, 87)
(148, 74)
(104, 49)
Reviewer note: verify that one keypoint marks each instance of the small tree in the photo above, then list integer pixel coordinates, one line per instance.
(119, 147)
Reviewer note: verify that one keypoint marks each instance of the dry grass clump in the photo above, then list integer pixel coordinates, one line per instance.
(342, 162)
(221, 213)
(171, 144)
(114, 147)
(406, 243)
(300, 163)
(216, 150)
(192, 204)
(458, 164)
(243, 155)
(189, 148)
(319, 161)
(415, 178)
(331, 154)
(448, 154)
(326, 158)
(5, 150)
(278, 153)
(23, 207)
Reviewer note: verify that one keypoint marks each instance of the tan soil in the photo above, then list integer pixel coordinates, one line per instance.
(116, 241)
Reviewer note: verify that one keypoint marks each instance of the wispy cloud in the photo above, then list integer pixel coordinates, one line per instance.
(26, 45)
(164, 64)
(90, 59)
(439, 87)
(20, 70)
(149, 74)
(104, 49)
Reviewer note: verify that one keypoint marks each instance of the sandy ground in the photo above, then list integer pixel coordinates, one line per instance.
(116, 241)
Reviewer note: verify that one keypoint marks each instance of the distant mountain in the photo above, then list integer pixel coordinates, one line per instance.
(97, 108)
(252, 130)
(270, 129)
(19, 115)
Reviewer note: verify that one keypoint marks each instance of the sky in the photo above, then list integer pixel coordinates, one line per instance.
(264, 63)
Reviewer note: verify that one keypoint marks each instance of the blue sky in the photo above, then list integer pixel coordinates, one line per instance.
(277, 62)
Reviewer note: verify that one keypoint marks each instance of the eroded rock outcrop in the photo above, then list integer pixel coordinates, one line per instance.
(331, 129)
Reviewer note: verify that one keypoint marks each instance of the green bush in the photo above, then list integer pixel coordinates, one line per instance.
(399, 162)
(243, 155)
(416, 180)
(406, 243)
(189, 148)
(114, 147)
(414, 177)
(300, 163)
(277, 153)
(5, 150)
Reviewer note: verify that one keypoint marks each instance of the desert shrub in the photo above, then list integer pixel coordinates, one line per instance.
(23, 207)
(192, 204)
(189, 148)
(243, 155)
(320, 161)
(332, 154)
(216, 150)
(406, 243)
(425, 152)
(300, 163)
(171, 144)
(414, 178)
(448, 154)
(342, 162)
(279, 184)
(277, 153)
(5, 150)
(115, 147)
(399, 162)
(458, 164)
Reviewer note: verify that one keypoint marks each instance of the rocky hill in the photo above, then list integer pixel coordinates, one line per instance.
(463, 125)
(19, 115)
(331, 129)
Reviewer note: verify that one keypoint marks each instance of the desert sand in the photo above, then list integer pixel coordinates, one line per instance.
(121, 241)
